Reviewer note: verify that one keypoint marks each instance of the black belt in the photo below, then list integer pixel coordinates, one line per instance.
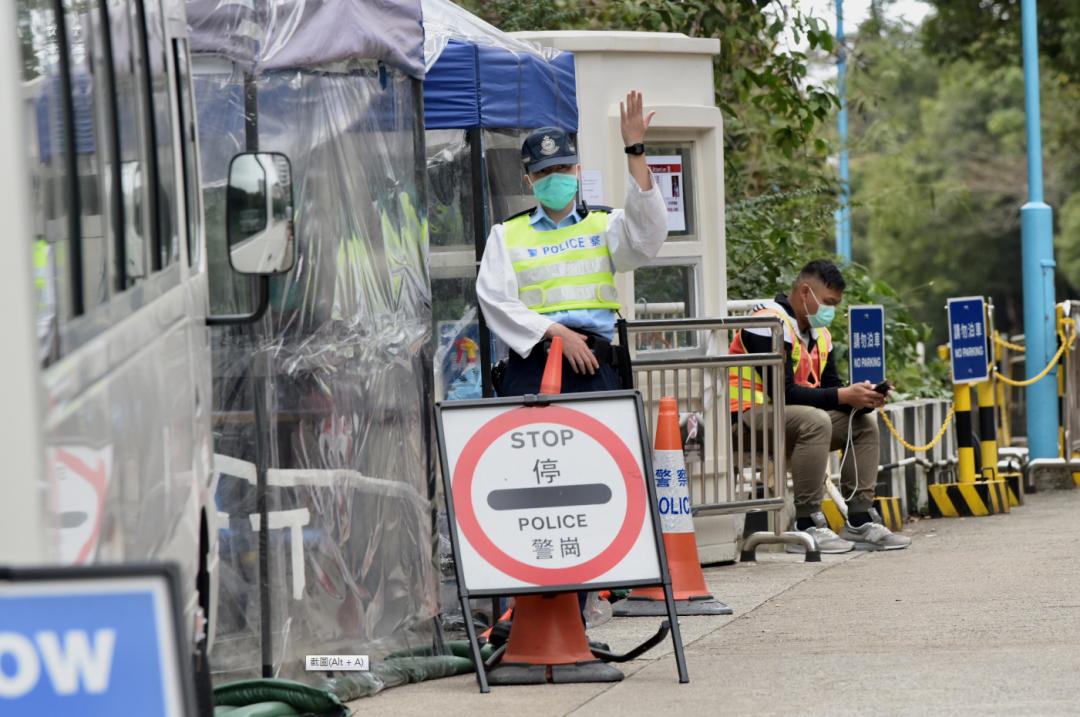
(602, 349)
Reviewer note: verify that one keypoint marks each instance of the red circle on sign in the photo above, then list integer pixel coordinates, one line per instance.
(466, 517)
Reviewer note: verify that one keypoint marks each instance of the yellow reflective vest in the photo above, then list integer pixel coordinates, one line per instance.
(562, 269)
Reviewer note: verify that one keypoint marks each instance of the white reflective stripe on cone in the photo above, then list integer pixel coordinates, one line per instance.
(672, 492)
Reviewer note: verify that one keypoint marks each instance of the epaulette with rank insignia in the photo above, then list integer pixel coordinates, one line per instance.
(522, 213)
(582, 209)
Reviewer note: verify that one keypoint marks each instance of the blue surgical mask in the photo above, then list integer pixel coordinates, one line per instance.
(824, 314)
(556, 190)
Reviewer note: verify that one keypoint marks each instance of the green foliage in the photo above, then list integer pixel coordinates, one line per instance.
(769, 238)
(988, 32)
(940, 156)
(1067, 241)
(903, 333)
(771, 109)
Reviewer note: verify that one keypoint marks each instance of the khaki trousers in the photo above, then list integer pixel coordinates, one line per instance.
(809, 435)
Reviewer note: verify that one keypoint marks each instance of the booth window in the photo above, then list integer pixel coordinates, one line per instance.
(672, 168)
(666, 291)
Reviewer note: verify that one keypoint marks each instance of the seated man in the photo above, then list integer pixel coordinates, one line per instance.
(819, 412)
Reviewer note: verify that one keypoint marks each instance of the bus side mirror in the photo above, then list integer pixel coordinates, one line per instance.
(259, 214)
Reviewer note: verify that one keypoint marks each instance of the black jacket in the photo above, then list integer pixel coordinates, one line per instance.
(824, 397)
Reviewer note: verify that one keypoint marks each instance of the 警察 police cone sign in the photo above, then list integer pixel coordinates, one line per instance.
(673, 497)
(547, 633)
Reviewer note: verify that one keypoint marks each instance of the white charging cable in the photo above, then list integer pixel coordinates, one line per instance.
(848, 448)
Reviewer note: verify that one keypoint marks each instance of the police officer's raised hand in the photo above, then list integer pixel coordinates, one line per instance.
(633, 119)
(861, 395)
(575, 350)
(635, 123)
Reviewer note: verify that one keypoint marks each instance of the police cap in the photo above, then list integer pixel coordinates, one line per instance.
(547, 147)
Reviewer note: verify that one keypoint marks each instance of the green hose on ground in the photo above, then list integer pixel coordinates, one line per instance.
(458, 648)
(287, 698)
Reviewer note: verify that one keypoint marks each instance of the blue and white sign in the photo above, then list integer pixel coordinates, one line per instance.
(967, 340)
(866, 339)
(93, 647)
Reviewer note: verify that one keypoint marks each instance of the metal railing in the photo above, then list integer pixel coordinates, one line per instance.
(662, 340)
(734, 442)
(905, 474)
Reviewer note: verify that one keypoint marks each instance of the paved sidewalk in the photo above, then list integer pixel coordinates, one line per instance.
(981, 616)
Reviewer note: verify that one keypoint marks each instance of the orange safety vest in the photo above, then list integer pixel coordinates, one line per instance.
(745, 385)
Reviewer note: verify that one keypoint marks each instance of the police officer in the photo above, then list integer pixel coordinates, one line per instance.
(550, 271)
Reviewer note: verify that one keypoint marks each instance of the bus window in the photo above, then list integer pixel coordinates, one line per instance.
(187, 147)
(49, 191)
(132, 250)
(88, 161)
(162, 133)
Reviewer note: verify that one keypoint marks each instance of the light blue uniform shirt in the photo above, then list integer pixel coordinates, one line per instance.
(596, 321)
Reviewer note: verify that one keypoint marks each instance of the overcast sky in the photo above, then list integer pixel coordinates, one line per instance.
(855, 11)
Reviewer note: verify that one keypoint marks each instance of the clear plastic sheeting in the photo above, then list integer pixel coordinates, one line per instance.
(445, 21)
(322, 409)
(453, 264)
(294, 34)
(507, 191)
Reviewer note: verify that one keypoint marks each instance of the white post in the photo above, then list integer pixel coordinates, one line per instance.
(22, 529)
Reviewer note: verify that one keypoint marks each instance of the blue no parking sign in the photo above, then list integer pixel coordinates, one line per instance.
(92, 642)
(866, 339)
(967, 340)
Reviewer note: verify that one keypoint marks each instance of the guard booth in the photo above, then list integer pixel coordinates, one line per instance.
(688, 279)
(484, 91)
(685, 149)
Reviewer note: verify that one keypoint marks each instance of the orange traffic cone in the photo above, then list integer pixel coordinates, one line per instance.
(551, 382)
(673, 496)
(547, 637)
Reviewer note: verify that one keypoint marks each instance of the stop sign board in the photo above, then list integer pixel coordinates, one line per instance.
(550, 497)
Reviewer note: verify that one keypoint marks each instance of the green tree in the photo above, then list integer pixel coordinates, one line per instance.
(771, 109)
(940, 166)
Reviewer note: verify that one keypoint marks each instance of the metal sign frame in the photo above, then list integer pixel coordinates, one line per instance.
(465, 594)
(985, 374)
(164, 572)
(851, 339)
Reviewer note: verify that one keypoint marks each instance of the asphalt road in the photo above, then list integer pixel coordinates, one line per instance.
(981, 616)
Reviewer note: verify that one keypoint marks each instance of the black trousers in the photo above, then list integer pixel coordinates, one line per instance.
(523, 375)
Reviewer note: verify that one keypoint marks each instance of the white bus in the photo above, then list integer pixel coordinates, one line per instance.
(105, 426)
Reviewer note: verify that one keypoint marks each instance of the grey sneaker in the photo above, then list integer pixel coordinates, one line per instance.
(827, 541)
(874, 535)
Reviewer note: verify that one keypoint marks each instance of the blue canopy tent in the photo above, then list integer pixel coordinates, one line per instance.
(483, 89)
(480, 77)
(491, 87)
